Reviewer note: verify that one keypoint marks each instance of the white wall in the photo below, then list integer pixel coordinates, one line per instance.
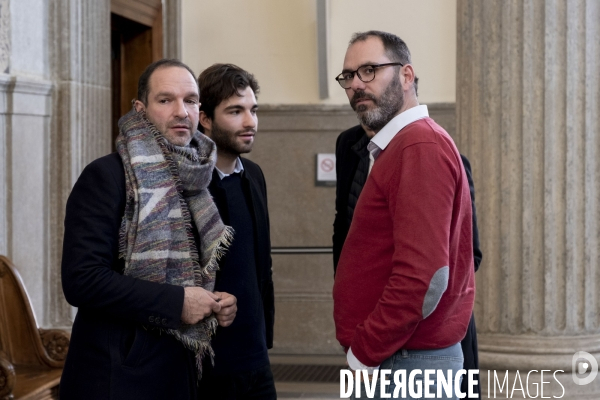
(276, 40)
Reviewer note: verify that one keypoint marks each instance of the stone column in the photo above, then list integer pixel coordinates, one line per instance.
(81, 129)
(528, 111)
(4, 62)
(172, 29)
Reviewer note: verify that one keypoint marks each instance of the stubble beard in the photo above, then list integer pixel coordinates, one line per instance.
(384, 108)
(226, 140)
(174, 139)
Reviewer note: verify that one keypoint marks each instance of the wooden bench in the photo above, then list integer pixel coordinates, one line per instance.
(31, 359)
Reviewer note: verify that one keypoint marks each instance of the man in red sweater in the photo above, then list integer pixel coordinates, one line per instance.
(404, 286)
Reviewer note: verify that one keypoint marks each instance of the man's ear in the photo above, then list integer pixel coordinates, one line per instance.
(409, 76)
(206, 123)
(139, 106)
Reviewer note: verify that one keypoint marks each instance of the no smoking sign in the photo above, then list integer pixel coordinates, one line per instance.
(326, 169)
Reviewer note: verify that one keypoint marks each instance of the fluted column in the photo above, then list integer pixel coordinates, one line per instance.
(81, 130)
(172, 28)
(4, 81)
(528, 110)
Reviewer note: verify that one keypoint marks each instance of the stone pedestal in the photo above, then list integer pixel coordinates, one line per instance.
(528, 110)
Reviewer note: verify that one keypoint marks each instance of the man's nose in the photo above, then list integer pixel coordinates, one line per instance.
(356, 83)
(180, 109)
(250, 120)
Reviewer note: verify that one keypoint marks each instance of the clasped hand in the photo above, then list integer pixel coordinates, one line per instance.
(199, 303)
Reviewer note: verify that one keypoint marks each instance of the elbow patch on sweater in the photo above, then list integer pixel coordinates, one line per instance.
(437, 287)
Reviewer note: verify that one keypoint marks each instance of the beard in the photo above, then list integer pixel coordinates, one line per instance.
(177, 139)
(226, 140)
(384, 108)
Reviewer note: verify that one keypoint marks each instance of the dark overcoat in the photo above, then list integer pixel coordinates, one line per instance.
(117, 350)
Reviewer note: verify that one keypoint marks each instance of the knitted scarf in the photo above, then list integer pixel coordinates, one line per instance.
(166, 188)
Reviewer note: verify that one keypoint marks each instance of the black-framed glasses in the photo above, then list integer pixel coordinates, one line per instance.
(366, 73)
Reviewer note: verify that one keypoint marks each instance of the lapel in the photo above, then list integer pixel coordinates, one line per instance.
(250, 186)
(259, 217)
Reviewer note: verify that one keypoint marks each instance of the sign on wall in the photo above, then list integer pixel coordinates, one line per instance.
(325, 169)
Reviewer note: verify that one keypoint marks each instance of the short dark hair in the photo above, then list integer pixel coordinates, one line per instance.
(221, 81)
(395, 48)
(144, 81)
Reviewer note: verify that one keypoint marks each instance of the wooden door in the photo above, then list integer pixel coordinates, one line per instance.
(136, 41)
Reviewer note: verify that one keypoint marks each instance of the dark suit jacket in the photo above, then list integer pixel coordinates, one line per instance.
(253, 182)
(346, 164)
(116, 350)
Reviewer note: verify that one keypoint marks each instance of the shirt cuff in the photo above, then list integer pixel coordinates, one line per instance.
(355, 365)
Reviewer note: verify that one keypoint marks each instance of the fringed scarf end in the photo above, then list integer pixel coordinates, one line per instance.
(200, 345)
(220, 248)
(123, 238)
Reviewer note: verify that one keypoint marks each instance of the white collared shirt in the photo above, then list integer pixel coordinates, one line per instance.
(377, 144)
(380, 141)
(239, 167)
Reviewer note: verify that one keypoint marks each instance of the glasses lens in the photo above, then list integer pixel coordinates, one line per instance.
(345, 79)
(366, 73)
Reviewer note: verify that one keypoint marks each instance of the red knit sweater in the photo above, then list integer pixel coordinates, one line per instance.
(413, 217)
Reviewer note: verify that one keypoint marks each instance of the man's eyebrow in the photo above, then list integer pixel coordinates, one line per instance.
(360, 66)
(234, 107)
(171, 94)
(238, 107)
(164, 94)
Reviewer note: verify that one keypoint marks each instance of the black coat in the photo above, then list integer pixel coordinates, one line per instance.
(346, 163)
(116, 350)
(253, 182)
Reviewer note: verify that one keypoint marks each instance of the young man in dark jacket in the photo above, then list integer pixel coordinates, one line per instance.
(228, 116)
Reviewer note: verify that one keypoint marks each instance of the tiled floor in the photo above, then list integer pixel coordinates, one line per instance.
(308, 390)
(305, 391)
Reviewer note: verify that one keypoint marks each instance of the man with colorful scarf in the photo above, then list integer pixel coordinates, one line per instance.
(141, 248)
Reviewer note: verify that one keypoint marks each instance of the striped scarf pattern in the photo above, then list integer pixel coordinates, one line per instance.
(166, 189)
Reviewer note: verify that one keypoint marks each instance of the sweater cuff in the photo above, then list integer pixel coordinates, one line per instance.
(355, 364)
